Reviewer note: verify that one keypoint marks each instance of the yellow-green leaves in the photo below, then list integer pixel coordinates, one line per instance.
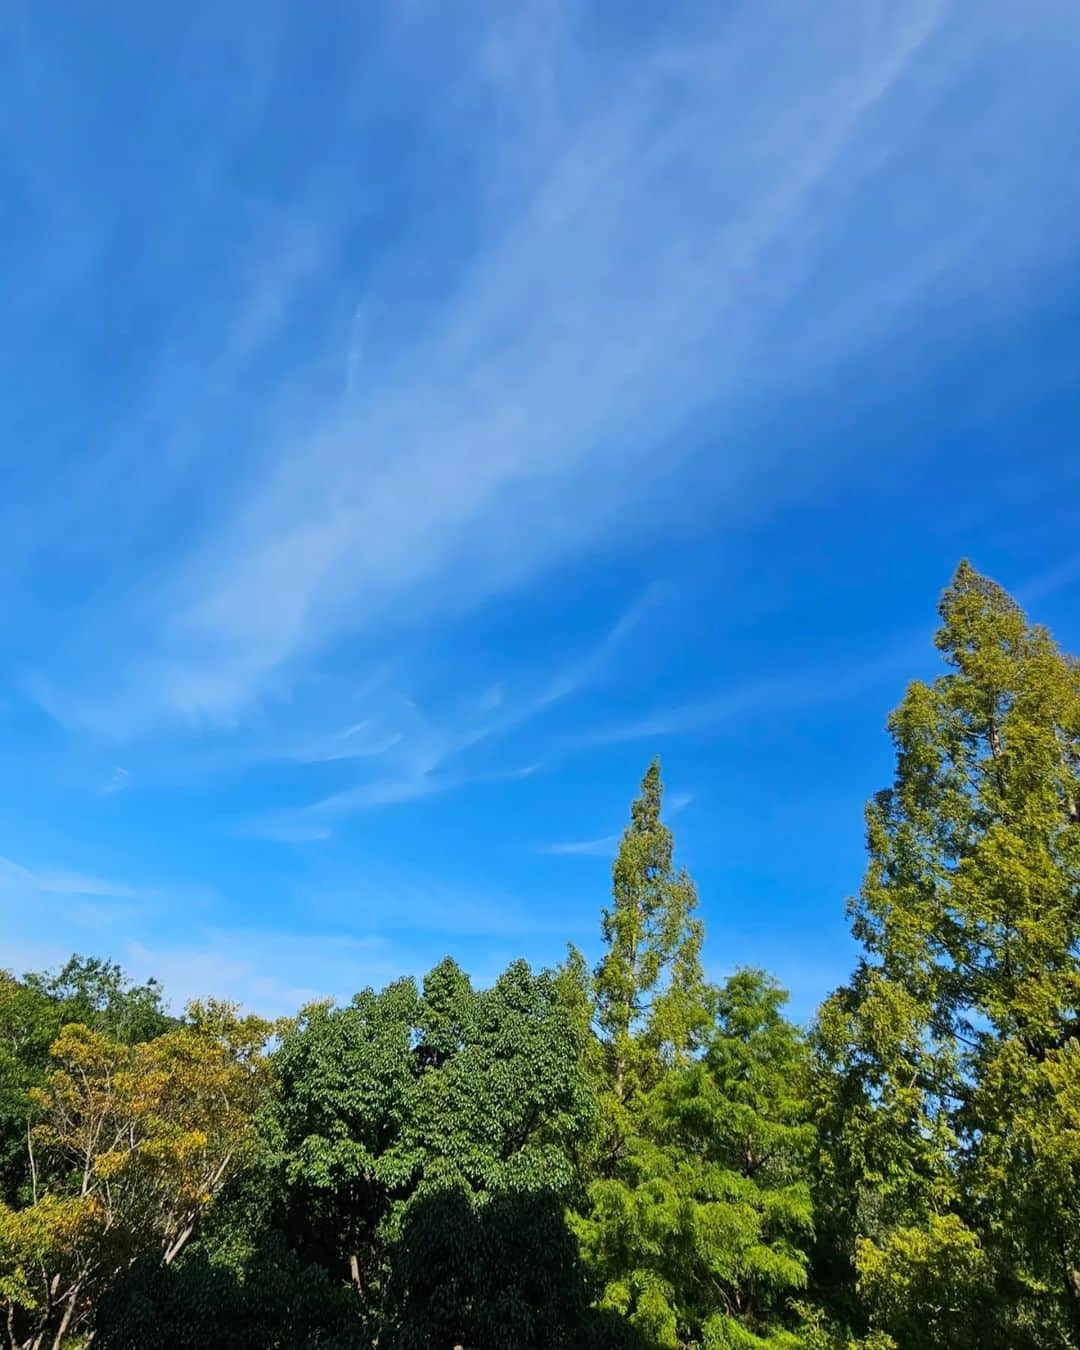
(947, 1092)
(649, 985)
(929, 1284)
(130, 1145)
(47, 1235)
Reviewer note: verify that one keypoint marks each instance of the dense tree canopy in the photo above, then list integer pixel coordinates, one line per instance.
(631, 1155)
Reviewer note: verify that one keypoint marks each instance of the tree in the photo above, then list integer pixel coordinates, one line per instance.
(701, 1236)
(29, 1023)
(270, 1301)
(344, 1079)
(929, 1284)
(950, 1083)
(33, 1011)
(648, 986)
(405, 1096)
(98, 995)
(501, 1273)
(145, 1137)
(696, 1216)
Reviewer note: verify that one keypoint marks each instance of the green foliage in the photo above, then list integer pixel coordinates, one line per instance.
(648, 984)
(948, 1066)
(928, 1285)
(97, 995)
(700, 1235)
(494, 1273)
(696, 1213)
(405, 1095)
(130, 1145)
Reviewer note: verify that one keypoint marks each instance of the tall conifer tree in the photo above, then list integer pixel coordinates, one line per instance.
(952, 1101)
(649, 984)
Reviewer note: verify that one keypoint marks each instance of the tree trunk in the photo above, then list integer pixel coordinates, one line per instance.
(65, 1321)
(178, 1244)
(1072, 1292)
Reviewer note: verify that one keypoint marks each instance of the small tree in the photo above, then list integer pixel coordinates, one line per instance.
(33, 1011)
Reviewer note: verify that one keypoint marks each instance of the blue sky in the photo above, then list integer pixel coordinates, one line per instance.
(417, 416)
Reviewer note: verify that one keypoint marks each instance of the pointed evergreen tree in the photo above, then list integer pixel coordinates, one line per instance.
(951, 1097)
(695, 1216)
(649, 984)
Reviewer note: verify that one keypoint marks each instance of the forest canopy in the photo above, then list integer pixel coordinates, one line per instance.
(626, 1155)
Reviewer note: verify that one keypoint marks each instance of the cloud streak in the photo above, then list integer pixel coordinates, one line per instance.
(588, 848)
(417, 758)
(272, 973)
(458, 473)
(14, 877)
(636, 276)
(766, 696)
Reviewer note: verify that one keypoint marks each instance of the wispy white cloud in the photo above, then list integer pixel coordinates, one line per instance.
(768, 695)
(272, 973)
(47, 912)
(285, 828)
(14, 877)
(422, 908)
(699, 225)
(356, 930)
(328, 446)
(1059, 578)
(591, 848)
(806, 688)
(44, 912)
(606, 845)
(117, 781)
(636, 274)
(417, 757)
(477, 462)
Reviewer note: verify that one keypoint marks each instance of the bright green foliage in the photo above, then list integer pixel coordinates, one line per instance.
(930, 1285)
(48, 1235)
(951, 1068)
(649, 980)
(697, 1217)
(887, 1144)
(701, 1235)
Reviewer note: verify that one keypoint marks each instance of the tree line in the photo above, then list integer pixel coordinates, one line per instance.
(624, 1157)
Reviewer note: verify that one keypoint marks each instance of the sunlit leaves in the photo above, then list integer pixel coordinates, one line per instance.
(946, 1096)
(140, 1138)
